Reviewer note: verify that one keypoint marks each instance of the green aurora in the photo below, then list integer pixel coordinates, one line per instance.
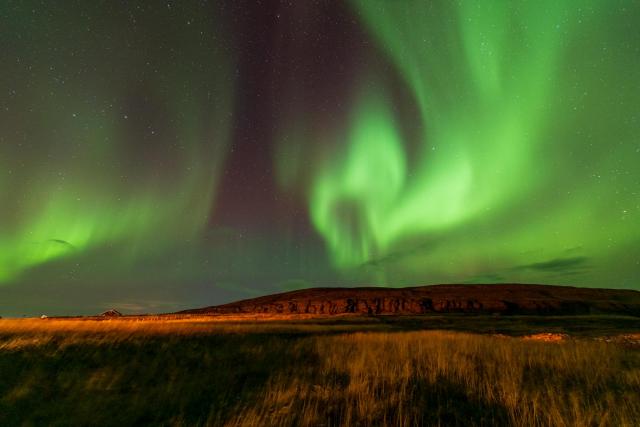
(527, 146)
(78, 183)
(466, 142)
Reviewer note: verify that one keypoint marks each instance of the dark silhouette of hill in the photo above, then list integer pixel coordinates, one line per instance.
(478, 299)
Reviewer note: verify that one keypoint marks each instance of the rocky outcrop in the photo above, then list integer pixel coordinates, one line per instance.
(111, 313)
(479, 299)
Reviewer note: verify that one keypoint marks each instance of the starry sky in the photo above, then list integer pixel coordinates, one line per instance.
(157, 156)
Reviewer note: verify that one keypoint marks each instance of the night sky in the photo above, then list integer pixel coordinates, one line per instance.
(157, 156)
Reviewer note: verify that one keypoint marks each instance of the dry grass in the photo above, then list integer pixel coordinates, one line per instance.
(443, 378)
(196, 372)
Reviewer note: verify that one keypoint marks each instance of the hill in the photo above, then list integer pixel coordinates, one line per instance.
(506, 299)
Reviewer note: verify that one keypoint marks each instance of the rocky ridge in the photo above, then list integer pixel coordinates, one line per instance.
(479, 299)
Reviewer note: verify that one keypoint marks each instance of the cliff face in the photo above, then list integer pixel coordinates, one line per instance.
(480, 299)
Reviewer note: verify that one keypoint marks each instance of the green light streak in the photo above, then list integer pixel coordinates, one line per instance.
(355, 195)
(93, 170)
(492, 181)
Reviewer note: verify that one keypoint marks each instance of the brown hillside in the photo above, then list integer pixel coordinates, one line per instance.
(479, 299)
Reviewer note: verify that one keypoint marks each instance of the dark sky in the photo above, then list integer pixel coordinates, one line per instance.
(156, 156)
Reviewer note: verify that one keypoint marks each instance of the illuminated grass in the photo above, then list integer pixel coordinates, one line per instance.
(197, 372)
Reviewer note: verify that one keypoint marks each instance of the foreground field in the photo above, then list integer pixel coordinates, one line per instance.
(198, 372)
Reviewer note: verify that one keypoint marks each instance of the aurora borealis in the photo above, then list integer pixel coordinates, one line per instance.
(159, 156)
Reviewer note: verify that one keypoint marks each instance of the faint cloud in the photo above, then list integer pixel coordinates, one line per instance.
(569, 265)
(140, 307)
(398, 255)
(486, 278)
(62, 242)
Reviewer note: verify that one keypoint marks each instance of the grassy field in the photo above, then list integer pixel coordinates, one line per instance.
(358, 372)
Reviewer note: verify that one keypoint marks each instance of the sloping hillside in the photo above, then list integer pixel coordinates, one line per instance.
(489, 299)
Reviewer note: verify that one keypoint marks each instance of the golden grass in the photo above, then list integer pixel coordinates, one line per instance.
(70, 331)
(195, 372)
(433, 378)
